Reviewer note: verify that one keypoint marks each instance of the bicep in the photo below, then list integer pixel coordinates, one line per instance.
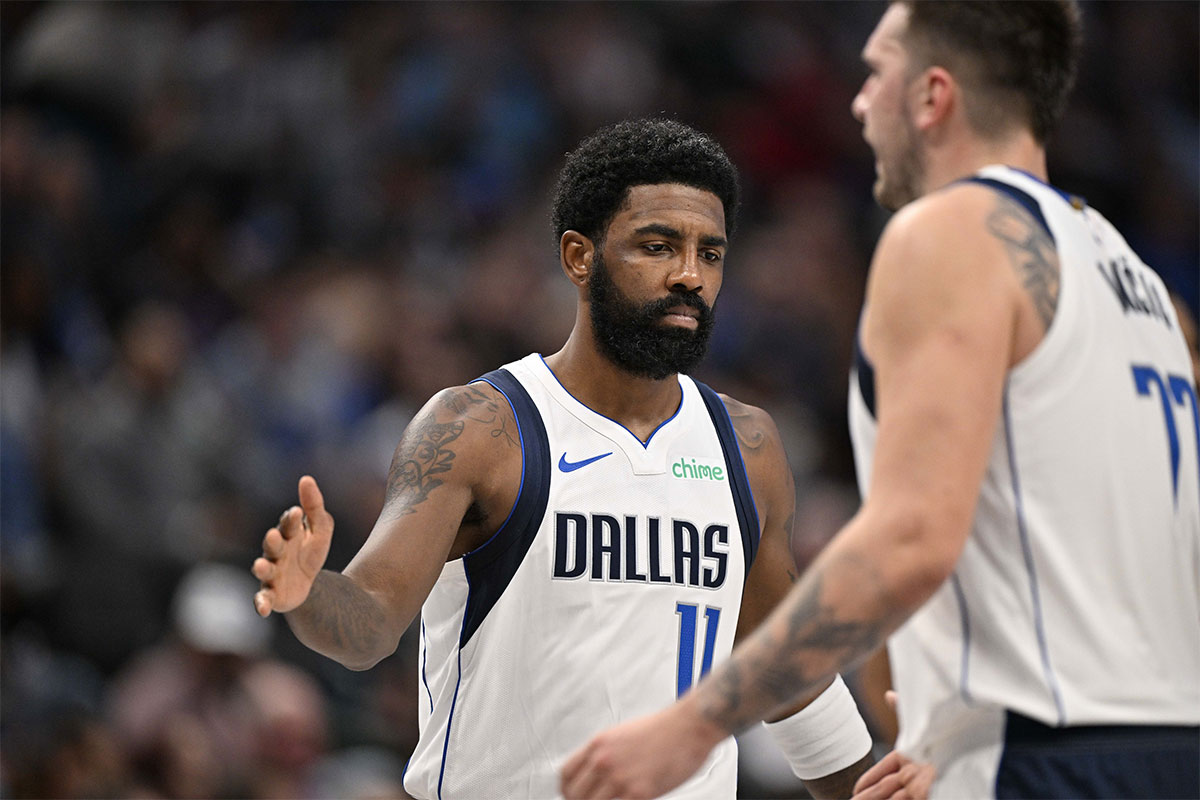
(771, 575)
(431, 483)
(939, 328)
(774, 568)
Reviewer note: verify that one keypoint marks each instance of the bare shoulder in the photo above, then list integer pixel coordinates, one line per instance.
(940, 220)
(465, 435)
(972, 225)
(762, 452)
(962, 253)
(756, 432)
(482, 404)
(977, 242)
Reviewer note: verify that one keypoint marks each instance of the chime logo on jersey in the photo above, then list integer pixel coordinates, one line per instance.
(630, 549)
(698, 469)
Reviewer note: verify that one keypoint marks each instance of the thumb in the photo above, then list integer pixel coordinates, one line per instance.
(311, 499)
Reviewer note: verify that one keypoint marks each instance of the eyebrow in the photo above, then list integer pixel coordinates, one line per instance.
(672, 233)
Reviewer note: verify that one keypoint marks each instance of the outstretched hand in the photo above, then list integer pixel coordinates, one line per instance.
(293, 552)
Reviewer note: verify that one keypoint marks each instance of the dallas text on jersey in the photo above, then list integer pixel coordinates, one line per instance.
(631, 549)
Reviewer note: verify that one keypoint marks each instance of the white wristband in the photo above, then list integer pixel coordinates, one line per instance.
(825, 736)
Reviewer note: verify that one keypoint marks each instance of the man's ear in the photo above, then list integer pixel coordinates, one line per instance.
(937, 95)
(575, 252)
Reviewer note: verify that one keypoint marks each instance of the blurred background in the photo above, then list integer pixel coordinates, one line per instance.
(240, 242)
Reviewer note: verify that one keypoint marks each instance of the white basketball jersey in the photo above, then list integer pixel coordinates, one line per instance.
(612, 587)
(1077, 597)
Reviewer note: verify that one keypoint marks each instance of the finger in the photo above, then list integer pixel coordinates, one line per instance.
(883, 788)
(888, 764)
(580, 774)
(591, 787)
(311, 499)
(262, 602)
(288, 522)
(273, 544)
(573, 773)
(920, 784)
(264, 570)
(890, 697)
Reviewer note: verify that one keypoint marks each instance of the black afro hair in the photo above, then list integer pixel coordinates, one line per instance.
(597, 175)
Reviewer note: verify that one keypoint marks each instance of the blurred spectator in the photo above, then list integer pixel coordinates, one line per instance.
(207, 712)
(140, 455)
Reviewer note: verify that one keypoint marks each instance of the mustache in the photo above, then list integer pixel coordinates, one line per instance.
(676, 299)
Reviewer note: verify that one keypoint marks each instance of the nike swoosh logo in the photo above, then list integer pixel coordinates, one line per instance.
(571, 466)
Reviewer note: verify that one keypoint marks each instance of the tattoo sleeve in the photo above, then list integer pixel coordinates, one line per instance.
(426, 452)
(1030, 252)
(807, 639)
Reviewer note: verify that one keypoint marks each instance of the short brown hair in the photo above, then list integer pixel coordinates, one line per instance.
(1018, 56)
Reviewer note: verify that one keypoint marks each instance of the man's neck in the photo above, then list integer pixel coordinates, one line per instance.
(970, 154)
(640, 404)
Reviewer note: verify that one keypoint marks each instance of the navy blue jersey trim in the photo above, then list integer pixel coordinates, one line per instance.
(425, 662)
(1025, 199)
(866, 376)
(491, 566)
(1071, 199)
(450, 722)
(739, 482)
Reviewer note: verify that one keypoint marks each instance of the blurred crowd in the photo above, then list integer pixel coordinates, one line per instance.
(240, 242)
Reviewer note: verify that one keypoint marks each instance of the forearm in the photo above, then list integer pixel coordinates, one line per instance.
(341, 620)
(841, 610)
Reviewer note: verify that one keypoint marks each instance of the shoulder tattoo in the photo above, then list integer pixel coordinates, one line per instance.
(473, 404)
(749, 430)
(1031, 254)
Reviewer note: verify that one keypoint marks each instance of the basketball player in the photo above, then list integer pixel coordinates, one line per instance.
(582, 533)
(1025, 425)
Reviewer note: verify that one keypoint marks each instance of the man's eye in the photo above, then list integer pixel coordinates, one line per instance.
(656, 247)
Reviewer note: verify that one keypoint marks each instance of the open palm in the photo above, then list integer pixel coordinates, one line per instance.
(293, 552)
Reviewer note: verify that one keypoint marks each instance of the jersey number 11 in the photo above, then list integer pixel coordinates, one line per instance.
(688, 613)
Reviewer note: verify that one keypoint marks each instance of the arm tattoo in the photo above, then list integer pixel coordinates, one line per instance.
(1030, 252)
(424, 454)
(793, 567)
(427, 449)
(473, 404)
(349, 622)
(817, 640)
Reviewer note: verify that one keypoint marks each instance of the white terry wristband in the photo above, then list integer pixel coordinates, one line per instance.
(825, 736)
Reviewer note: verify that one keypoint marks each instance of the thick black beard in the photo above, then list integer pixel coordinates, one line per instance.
(634, 337)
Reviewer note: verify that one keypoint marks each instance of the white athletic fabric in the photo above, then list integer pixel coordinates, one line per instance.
(558, 659)
(1077, 598)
